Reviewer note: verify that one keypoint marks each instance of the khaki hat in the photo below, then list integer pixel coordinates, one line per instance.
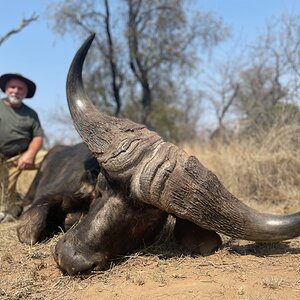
(30, 84)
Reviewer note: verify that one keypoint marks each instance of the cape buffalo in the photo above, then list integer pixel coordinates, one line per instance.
(142, 179)
(60, 193)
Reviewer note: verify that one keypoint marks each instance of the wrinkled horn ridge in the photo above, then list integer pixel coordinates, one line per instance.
(163, 175)
(118, 144)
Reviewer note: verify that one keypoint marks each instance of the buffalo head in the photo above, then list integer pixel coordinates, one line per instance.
(144, 171)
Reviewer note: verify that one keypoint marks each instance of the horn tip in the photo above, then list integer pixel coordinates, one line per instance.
(90, 39)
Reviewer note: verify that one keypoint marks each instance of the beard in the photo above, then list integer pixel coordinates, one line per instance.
(14, 100)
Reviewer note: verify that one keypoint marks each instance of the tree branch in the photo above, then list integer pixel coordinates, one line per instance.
(24, 23)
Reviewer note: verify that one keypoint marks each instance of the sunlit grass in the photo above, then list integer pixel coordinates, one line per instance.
(264, 171)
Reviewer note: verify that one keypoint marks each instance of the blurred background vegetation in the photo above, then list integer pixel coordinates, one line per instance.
(152, 63)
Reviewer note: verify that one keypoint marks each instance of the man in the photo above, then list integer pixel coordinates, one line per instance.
(21, 136)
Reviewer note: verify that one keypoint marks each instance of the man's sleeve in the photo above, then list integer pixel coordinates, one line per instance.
(37, 129)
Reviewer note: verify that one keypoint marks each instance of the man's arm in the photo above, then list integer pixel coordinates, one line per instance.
(26, 160)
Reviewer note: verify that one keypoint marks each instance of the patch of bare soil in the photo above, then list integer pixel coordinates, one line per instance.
(241, 270)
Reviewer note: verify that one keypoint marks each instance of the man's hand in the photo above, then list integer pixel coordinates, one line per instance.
(26, 161)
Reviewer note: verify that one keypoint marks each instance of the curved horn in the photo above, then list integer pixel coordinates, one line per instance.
(163, 175)
(81, 108)
(107, 137)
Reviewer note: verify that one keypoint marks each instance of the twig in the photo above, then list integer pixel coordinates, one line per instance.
(23, 24)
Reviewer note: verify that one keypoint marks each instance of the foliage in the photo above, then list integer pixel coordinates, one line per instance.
(169, 121)
(259, 94)
(141, 48)
(258, 87)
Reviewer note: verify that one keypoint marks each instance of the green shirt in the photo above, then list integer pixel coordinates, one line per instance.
(18, 126)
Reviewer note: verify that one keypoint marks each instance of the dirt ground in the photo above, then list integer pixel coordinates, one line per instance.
(241, 270)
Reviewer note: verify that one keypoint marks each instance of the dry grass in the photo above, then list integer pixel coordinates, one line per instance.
(251, 170)
(266, 174)
(241, 270)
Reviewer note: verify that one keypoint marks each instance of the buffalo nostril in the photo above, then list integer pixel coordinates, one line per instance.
(70, 260)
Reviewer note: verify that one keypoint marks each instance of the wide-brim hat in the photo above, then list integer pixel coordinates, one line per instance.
(30, 84)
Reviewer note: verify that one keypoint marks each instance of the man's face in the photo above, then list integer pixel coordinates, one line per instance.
(16, 90)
